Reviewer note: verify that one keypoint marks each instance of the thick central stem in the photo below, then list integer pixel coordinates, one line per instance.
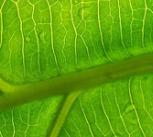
(17, 94)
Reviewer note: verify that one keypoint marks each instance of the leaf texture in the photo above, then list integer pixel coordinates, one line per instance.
(41, 39)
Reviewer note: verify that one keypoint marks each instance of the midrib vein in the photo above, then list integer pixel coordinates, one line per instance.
(70, 99)
(17, 94)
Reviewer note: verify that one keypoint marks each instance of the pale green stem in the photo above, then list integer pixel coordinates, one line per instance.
(63, 114)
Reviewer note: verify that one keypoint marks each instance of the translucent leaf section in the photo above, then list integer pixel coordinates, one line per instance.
(121, 109)
(41, 39)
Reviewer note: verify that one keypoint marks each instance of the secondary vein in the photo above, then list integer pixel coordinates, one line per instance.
(63, 114)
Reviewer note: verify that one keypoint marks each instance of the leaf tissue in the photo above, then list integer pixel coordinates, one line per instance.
(76, 68)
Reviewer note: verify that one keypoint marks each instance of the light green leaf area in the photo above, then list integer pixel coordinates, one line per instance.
(43, 39)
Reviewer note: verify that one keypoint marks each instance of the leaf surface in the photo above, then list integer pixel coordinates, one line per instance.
(43, 39)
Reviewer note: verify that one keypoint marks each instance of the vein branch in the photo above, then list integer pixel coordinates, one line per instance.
(63, 114)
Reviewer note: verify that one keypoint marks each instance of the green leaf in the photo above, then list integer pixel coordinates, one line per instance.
(46, 40)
